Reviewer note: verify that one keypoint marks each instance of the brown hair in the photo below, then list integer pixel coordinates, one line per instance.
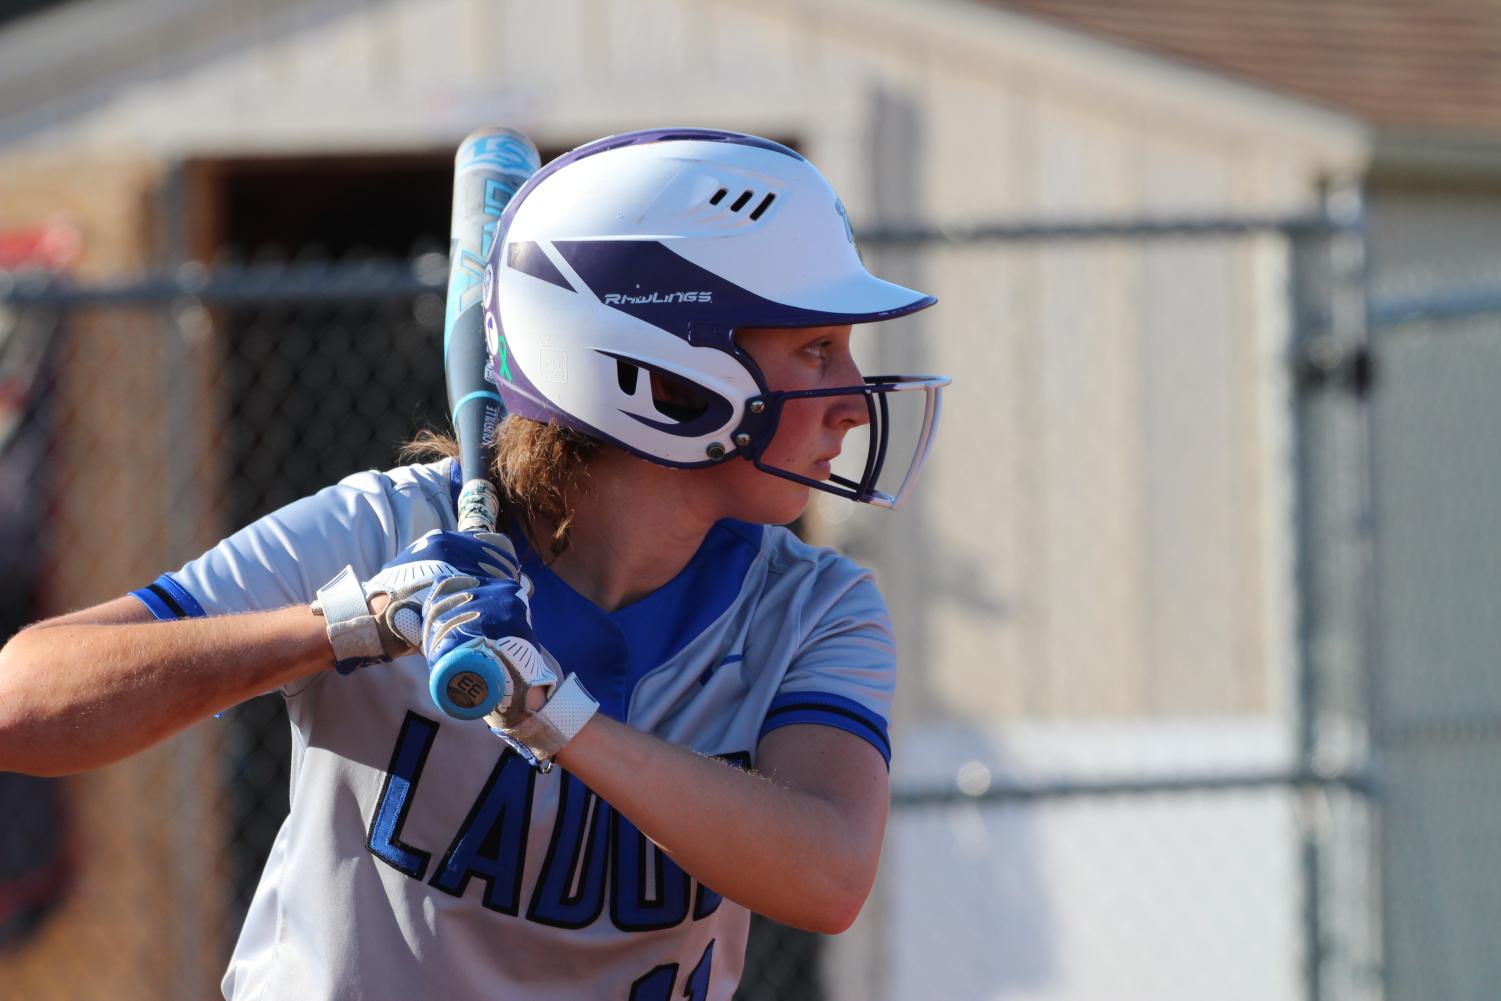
(537, 468)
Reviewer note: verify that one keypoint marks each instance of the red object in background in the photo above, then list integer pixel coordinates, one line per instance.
(37, 865)
(52, 246)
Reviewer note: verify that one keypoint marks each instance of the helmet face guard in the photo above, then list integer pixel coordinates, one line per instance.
(874, 391)
(639, 255)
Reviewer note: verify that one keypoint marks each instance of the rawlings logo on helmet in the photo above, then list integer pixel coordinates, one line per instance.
(621, 298)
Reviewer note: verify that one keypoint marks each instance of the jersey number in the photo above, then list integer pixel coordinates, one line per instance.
(657, 985)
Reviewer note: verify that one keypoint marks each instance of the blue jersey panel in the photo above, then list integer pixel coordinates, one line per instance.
(612, 651)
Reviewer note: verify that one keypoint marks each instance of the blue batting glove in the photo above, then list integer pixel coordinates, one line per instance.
(484, 554)
(478, 640)
(361, 635)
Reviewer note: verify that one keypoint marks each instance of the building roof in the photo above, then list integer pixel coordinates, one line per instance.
(1406, 65)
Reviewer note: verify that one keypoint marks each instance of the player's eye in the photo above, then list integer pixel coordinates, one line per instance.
(820, 349)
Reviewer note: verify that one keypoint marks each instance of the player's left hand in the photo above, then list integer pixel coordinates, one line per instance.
(381, 619)
(483, 554)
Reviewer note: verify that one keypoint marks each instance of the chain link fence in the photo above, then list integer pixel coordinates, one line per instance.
(1137, 739)
(1435, 706)
(1120, 778)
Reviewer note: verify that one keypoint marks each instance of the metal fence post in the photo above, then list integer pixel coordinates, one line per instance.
(1331, 360)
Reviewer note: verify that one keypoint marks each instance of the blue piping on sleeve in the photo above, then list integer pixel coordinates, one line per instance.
(826, 709)
(168, 600)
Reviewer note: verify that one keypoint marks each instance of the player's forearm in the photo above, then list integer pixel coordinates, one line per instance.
(784, 853)
(81, 695)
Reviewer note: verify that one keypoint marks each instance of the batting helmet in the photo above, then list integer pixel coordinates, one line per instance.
(640, 255)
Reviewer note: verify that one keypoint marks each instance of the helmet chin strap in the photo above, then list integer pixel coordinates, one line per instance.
(875, 390)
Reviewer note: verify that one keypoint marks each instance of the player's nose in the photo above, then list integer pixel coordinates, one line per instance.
(849, 410)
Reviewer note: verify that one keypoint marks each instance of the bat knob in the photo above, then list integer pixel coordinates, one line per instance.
(468, 681)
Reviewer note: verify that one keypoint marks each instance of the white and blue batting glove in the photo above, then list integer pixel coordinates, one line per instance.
(482, 554)
(486, 662)
(361, 636)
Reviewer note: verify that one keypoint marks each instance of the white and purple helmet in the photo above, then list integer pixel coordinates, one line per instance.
(641, 254)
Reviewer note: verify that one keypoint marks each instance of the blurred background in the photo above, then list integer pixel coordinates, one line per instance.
(1196, 602)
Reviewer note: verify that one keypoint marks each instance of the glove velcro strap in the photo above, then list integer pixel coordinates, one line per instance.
(547, 730)
(352, 631)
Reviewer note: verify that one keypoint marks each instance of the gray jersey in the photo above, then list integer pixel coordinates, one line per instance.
(421, 859)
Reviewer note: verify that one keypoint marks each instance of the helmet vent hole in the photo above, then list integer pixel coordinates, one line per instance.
(719, 196)
(739, 203)
(765, 204)
(626, 375)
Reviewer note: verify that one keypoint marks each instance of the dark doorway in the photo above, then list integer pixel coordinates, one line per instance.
(335, 206)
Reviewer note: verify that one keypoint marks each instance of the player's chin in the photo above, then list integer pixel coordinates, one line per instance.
(794, 507)
(776, 501)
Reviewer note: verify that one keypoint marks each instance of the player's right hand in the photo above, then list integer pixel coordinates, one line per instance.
(478, 640)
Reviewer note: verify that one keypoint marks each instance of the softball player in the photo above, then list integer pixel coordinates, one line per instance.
(669, 317)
